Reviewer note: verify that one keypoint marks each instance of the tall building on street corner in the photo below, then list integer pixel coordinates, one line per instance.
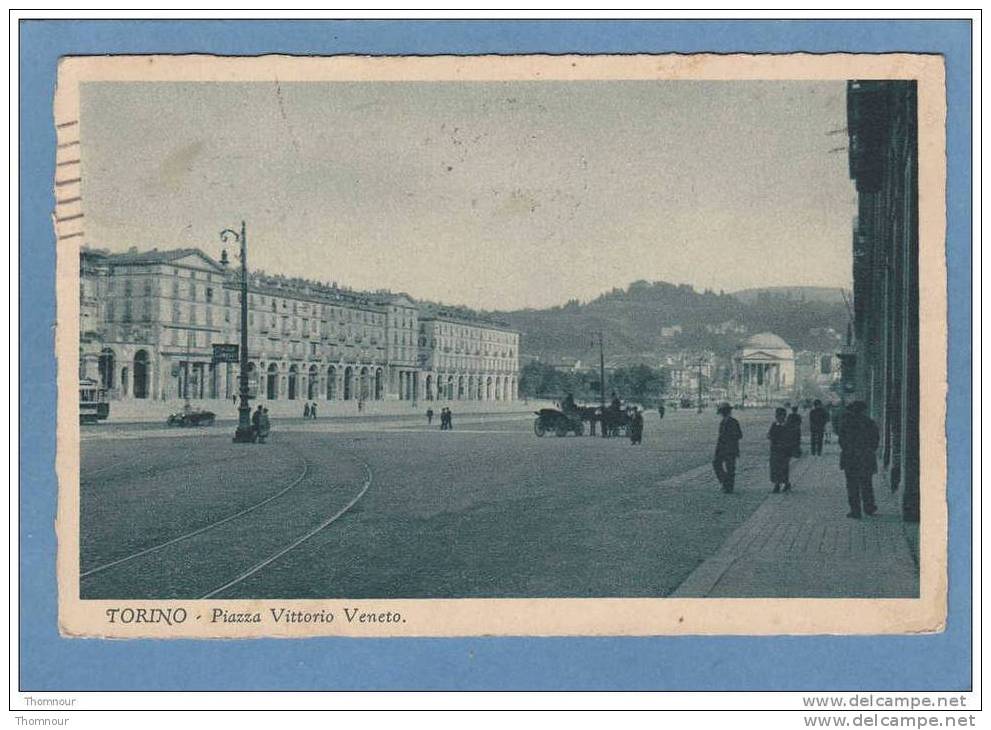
(882, 119)
(149, 321)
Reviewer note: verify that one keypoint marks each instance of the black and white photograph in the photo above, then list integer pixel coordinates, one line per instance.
(340, 340)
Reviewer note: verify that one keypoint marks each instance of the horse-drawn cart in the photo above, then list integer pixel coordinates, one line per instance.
(551, 420)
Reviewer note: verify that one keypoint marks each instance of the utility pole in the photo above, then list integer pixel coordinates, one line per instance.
(243, 434)
(700, 382)
(602, 371)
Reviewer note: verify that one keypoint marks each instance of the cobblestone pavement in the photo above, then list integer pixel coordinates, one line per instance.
(801, 544)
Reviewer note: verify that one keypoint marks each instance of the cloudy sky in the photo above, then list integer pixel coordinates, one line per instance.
(494, 195)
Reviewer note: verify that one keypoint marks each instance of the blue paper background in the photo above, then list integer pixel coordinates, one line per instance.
(49, 662)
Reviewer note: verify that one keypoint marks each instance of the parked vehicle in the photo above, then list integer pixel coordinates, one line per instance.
(190, 416)
(551, 419)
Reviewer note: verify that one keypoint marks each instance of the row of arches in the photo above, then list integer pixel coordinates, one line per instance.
(469, 387)
(347, 383)
(133, 378)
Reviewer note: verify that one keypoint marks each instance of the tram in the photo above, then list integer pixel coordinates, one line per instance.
(94, 405)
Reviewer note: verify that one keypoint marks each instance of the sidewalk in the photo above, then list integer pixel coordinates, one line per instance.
(802, 545)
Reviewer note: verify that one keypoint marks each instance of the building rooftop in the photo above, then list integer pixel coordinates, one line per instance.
(765, 341)
(282, 285)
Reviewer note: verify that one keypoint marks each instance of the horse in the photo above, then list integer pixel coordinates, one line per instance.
(589, 415)
(614, 421)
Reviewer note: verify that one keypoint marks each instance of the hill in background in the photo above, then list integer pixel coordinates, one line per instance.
(828, 294)
(649, 320)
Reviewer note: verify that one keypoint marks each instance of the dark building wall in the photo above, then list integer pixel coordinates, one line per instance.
(883, 127)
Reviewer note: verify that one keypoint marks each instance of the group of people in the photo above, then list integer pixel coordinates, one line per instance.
(310, 410)
(260, 425)
(859, 438)
(445, 418)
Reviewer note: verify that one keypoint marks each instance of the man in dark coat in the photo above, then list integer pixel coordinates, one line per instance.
(256, 422)
(727, 448)
(859, 439)
(794, 424)
(781, 448)
(636, 427)
(818, 418)
(430, 416)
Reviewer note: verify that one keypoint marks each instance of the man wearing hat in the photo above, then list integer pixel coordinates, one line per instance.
(859, 439)
(727, 448)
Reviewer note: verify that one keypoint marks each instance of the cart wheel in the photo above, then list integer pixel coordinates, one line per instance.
(538, 428)
(561, 431)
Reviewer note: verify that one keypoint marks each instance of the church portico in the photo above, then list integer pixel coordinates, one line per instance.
(763, 370)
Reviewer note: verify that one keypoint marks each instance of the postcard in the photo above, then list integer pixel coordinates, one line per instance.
(501, 345)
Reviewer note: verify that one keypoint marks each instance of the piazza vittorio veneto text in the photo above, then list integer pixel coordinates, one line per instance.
(150, 321)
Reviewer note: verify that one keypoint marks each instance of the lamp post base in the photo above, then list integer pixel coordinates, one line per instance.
(244, 435)
(245, 432)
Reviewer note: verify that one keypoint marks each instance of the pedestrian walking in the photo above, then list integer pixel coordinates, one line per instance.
(660, 410)
(450, 424)
(313, 410)
(264, 426)
(781, 449)
(836, 414)
(636, 427)
(859, 439)
(727, 448)
(830, 427)
(818, 419)
(306, 410)
(430, 416)
(443, 419)
(794, 423)
(256, 423)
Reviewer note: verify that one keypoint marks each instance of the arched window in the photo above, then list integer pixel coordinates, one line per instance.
(293, 384)
(107, 368)
(311, 384)
(363, 391)
(272, 382)
(331, 383)
(141, 374)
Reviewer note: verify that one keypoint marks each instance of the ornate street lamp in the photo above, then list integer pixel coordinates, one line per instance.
(243, 434)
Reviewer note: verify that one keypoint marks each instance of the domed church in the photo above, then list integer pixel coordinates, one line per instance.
(763, 370)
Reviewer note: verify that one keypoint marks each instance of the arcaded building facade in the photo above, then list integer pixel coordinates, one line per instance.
(467, 359)
(149, 321)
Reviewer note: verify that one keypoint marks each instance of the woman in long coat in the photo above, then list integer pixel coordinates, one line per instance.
(782, 446)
